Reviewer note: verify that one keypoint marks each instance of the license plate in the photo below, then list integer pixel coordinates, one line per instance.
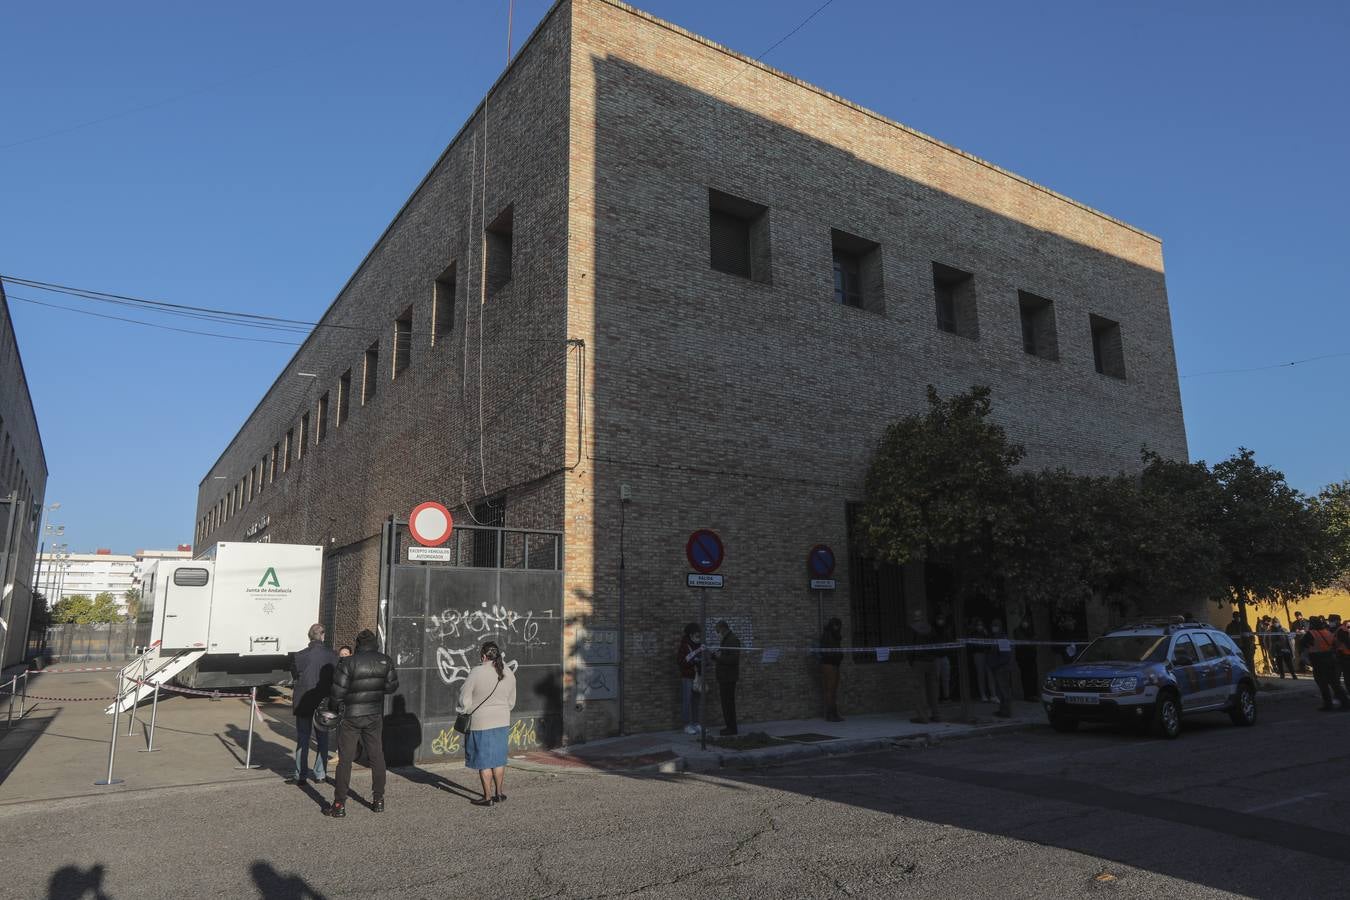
(1086, 699)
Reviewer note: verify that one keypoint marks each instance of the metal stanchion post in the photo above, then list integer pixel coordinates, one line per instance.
(112, 743)
(23, 698)
(9, 723)
(252, 713)
(135, 691)
(154, 709)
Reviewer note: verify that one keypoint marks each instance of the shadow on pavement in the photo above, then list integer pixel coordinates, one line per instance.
(272, 885)
(74, 883)
(16, 741)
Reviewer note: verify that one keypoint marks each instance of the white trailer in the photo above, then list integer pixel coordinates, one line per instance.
(229, 618)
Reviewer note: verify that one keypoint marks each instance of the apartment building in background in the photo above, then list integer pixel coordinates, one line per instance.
(654, 285)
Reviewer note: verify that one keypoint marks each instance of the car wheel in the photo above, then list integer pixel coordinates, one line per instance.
(1064, 724)
(1168, 716)
(1244, 706)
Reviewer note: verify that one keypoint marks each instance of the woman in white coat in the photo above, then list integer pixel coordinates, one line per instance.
(488, 696)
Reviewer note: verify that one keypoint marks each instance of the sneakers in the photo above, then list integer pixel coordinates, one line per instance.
(378, 805)
(691, 729)
(482, 801)
(335, 810)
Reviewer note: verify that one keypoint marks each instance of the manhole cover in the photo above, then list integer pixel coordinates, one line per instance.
(809, 738)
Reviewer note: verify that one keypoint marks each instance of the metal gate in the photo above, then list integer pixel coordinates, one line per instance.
(497, 584)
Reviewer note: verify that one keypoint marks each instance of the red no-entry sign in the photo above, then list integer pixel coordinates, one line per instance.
(430, 524)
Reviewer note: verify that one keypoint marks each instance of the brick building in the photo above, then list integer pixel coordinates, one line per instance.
(23, 483)
(650, 264)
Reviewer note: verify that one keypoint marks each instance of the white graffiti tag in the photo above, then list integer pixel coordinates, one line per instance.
(454, 665)
(455, 623)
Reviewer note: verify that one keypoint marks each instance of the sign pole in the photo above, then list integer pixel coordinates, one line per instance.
(820, 634)
(703, 699)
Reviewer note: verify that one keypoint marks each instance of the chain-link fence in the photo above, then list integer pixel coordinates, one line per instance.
(85, 643)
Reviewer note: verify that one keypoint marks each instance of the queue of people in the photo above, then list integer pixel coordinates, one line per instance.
(346, 690)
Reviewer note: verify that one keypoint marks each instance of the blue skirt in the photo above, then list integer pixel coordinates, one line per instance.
(486, 749)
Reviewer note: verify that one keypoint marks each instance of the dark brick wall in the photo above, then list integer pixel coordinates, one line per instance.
(23, 474)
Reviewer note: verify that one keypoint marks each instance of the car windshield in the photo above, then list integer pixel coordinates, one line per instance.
(1126, 648)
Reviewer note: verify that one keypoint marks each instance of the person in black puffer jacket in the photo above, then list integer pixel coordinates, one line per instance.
(360, 683)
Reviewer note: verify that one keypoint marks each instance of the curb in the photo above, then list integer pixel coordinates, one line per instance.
(713, 761)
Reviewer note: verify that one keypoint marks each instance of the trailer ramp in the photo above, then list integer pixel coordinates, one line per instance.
(157, 671)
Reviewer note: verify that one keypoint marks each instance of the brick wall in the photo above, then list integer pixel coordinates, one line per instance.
(752, 407)
(23, 474)
(419, 437)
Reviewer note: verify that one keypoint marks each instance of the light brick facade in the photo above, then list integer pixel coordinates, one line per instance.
(617, 356)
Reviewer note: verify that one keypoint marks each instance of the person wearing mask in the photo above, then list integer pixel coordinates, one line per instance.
(487, 697)
(689, 657)
(360, 683)
(1025, 655)
(926, 661)
(312, 669)
(1320, 644)
(979, 659)
(944, 632)
(831, 658)
(1263, 642)
(728, 669)
(1281, 649)
(1000, 658)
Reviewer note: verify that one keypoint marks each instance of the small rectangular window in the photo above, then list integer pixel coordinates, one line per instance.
(738, 237)
(276, 454)
(321, 421)
(262, 473)
(1038, 326)
(1108, 350)
(191, 577)
(304, 436)
(443, 305)
(370, 374)
(344, 397)
(857, 271)
(498, 247)
(286, 451)
(403, 331)
(954, 293)
(250, 484)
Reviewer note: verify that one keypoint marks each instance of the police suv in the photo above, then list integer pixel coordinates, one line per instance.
(1148, 675)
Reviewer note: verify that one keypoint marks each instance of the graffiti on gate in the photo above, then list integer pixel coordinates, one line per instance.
(455, 664)
(524, 735)
(455, 623)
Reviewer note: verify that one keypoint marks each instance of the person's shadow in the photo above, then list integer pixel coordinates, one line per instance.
(272, 885)
(74, 883)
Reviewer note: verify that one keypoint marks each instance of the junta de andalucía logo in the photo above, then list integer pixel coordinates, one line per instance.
(270, 579)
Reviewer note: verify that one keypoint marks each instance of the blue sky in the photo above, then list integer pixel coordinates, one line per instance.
(1219, 126)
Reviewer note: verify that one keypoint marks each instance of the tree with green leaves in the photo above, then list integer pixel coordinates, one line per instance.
(1276, 544)
(80, 609)
(1333, 504)
(132, 599)
(935, 491)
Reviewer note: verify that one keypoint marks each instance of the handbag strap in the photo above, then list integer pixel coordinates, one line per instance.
(485, 699)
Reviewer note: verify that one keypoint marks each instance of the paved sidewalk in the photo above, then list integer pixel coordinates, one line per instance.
(795, 739)
(772, 743)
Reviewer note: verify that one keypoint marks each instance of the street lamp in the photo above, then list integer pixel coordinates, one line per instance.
(43, 530)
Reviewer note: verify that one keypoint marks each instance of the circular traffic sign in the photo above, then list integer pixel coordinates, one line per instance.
(431, 524)
(705, 551)
(820, 561)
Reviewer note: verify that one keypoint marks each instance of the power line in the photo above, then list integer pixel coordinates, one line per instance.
(215, 334)
(1284, 365)
(142, 108)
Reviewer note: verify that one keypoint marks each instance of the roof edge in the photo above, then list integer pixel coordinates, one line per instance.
(642, 14)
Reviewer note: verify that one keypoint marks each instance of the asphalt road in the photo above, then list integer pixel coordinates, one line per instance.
(1261, 812)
